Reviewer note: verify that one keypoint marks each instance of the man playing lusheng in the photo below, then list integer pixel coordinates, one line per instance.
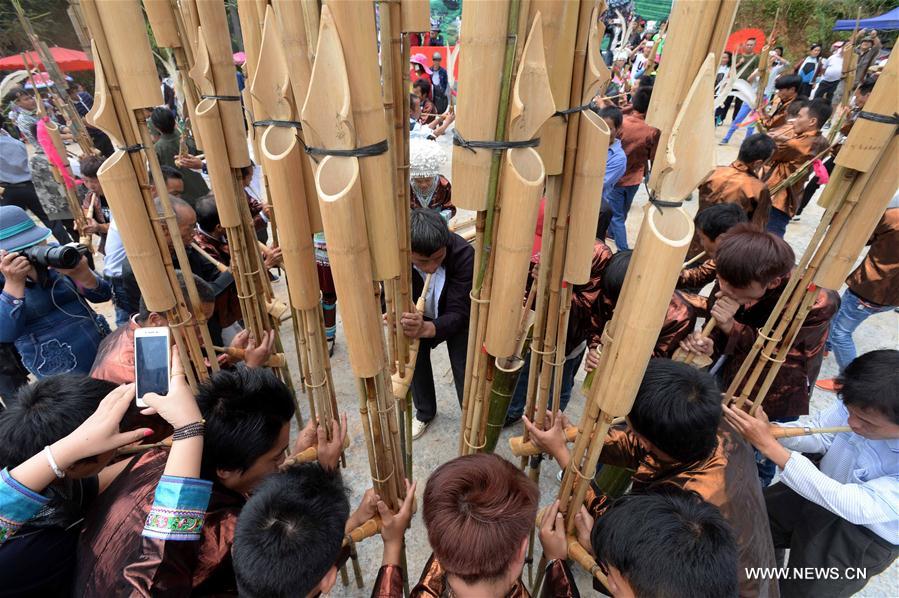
(754, 268)
(845, 513)
(449, 259)
(675, 436)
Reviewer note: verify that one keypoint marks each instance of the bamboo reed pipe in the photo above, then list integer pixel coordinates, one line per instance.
(358, 37)
(401, 383)
(127, 127)
(308, 455)
(695, 259)
(205, 255)
(161, 18)
(589, 170)
(215, 37)
(559, 32)
(221, 177)
(483, 35)
(791, 432)
(663, 241)
(579, 554)
(340, 198)
(522, 185)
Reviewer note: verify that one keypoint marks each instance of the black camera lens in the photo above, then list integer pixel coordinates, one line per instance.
(61, 256)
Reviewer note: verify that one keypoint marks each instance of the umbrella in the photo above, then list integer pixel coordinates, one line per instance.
(41, 80)
(68, 60)
(239, 58)
(738, 38)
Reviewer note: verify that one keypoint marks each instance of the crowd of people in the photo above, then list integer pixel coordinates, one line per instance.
(217, 512)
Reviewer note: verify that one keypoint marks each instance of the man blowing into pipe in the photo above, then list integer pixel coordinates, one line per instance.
(449, 259)
(675, 436)
(754, 268)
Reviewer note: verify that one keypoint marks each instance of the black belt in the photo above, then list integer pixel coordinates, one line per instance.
(2, 184)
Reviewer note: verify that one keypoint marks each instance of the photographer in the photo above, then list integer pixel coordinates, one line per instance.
(42, 304)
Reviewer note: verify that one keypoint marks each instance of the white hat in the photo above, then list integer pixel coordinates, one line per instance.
(425, 158)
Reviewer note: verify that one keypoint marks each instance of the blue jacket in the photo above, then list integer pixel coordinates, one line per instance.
(53, 328)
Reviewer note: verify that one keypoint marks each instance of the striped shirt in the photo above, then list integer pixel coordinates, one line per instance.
(858, 479)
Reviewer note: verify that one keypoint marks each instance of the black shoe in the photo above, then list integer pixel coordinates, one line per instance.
(331, 343)
(511, 420)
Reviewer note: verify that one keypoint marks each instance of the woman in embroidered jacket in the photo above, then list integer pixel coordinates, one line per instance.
(430, 189)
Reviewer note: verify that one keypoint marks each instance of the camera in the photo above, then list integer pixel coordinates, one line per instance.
(56, 256)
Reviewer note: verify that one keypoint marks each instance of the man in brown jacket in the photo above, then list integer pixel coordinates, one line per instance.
(873, 288)
(738, 183)
(787, 88)
(753, 270)
(791, 154)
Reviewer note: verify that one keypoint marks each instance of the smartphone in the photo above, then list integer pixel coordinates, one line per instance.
(151, 362)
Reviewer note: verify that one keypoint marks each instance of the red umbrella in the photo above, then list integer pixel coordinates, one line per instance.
(68, 60)
(738, 38)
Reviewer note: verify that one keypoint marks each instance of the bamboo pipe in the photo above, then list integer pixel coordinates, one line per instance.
(628, 346)
(356, 29)
(793, 432)
(401, 383)
(162, 21)
(205, 255)
(275, 360)
(483, 35)
(522, 184)
(589, 170)
(695, 259)
(368, 529)
(214, 41)
(579, 554)
(560, 21)
(523, 448)
(340, 197)
(416, 15)
(307, 455)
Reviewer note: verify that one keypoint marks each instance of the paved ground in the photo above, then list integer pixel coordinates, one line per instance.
(440, 442)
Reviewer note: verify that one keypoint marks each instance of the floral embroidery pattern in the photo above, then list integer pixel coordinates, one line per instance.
(55, 358)
(169, 524)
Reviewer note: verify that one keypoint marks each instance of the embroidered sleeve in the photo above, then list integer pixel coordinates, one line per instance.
(179, 509)
(18, 504)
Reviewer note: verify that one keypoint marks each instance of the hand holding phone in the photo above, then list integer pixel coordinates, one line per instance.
(151, 362)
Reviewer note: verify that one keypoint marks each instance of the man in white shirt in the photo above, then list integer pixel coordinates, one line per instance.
(843, 518)
(833, 72)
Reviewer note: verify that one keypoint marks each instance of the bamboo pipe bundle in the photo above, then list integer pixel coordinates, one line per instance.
(661, 246)
(126, 127)
(339, 191)
(559, 31)
(549, 333)
(483, 35)
(854, 199)
(356, 30)
(522, 186)
(214, 42)
(696, 29)
(589, 170)
(529, 105)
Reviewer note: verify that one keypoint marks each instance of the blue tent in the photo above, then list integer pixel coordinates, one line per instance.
(888, 21)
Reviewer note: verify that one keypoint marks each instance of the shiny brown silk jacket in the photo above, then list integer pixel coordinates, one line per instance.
(788, 157)
(778, 117)
(559, 583)
(728, 479)
(113, 557)
(876, 280)
(679, 323)
(789, 394)
(696, 278)
(639, 141)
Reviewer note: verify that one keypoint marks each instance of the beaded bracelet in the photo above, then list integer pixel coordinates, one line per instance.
(190, 430)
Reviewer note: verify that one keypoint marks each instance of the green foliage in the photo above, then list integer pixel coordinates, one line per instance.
(50, 22)
(803, 22)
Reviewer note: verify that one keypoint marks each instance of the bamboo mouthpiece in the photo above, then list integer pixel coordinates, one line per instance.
(791, 432)
(520, 448)
(366, 530)
(308, 456)
(141, 448)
